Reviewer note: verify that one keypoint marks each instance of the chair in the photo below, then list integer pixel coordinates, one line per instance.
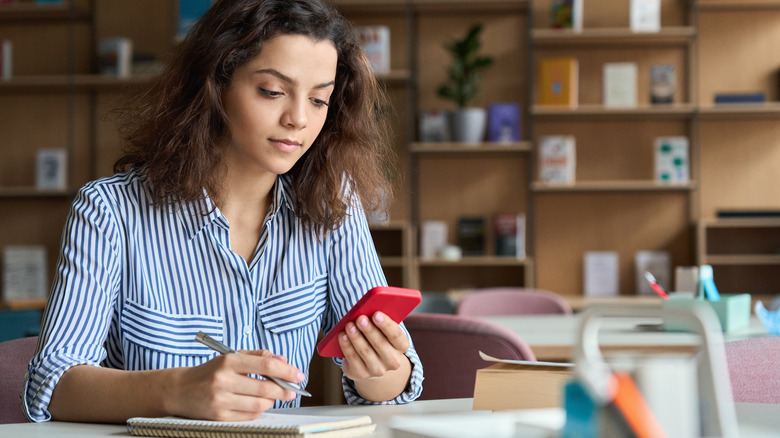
(449, 347)
(754, 371)
(512, 301)
(15, 354)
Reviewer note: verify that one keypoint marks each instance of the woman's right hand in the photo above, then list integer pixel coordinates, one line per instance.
(222, 390)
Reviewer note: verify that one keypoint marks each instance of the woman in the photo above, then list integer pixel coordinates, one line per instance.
(236, 210)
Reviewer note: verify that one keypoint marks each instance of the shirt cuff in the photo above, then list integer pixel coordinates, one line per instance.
(411, 393)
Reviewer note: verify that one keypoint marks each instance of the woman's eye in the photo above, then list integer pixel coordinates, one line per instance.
(319, 102)
(269, 93)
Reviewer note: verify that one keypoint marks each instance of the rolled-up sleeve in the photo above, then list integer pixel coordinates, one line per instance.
(354, 269)
(80, 305)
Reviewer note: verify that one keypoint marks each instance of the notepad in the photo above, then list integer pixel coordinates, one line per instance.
(266, 425)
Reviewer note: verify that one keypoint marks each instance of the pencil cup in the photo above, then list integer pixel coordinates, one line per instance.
(733, 311)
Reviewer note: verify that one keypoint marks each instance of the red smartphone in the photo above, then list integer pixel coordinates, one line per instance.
(395, 302)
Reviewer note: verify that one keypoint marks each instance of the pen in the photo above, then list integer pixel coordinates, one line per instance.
(224, 349)
(656, 287)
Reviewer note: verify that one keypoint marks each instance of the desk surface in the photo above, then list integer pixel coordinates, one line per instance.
(446, 416)
(552, 337)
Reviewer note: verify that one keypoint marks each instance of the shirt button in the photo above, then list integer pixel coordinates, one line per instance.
(247, 329)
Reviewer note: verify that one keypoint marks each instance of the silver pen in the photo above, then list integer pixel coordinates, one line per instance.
(224, 349)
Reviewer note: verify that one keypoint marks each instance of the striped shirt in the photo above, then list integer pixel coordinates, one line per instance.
(135, 283)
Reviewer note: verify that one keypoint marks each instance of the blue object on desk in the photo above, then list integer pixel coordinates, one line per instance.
(707, 281)
(769, 319)
(15, 324)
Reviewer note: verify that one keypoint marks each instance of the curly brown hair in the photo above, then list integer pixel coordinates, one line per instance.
(174, 129)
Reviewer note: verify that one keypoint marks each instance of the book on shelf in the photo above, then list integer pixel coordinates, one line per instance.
(433, 237)
(24, 273)
(51, 171)
(663, 83)
(748, 213)
(267, 424)
(620, 84)
(755, 97)
(375, 41)
(658, 263)
(471, 235)
(601, 273)
(645, 16)
(504, 123)
(434, 126)
(189, 13)
(567, 14)
(671, 160)
(519, 384)
(558, 82)
(509, 234)
(6, 59)
(557, 159)
(115, 55)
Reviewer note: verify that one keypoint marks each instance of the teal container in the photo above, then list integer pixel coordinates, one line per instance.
(733, 311)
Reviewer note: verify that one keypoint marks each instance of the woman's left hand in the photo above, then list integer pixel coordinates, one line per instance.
(374, 356)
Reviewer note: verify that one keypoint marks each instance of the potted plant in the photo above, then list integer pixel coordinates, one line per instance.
(465, 74)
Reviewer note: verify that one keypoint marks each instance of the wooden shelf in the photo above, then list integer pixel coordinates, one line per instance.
(28, 12)
(742, 259)
(674, 111)
(392, 262)
(614, 186)
(736, 5)
(470, 148)
(613, 36)
(23, 304)
(33, 192)
(740, 111)
(66, 83)
(741, 223)
(475, 261)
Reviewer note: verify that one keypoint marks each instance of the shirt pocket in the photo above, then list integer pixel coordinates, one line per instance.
(168, 333)
(294, 307)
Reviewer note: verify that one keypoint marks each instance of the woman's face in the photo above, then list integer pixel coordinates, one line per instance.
(276, 103)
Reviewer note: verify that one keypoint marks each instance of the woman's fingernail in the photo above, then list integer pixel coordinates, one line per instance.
(379, 317)
(363, 321)
(344, 337)
(301, 377)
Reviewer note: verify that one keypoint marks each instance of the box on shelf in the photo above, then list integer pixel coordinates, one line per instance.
(115, 55)
(529, 385)
(471, 235)
(558, 82)
(601, 273)
(645, 15)
(504, 124)
(757, 97)
(51, 171)
(509, 234)
(567, 14)
(6, 59)
(434, 126)
(671, 160)
(24, 273)
(663, 83)
(433, 237)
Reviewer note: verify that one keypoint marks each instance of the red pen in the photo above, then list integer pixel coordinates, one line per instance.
(656, 287)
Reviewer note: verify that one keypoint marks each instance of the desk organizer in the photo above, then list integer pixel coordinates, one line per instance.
(733, 311)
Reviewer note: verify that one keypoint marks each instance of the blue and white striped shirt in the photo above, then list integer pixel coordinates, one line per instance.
(135, 283)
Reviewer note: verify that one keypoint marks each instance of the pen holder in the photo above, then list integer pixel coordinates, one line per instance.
(733, 311)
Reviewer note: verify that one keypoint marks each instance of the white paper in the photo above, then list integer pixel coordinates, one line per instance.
(645, 15)
(602, 274)
(620, 84)
(433, 237)
(24, 272)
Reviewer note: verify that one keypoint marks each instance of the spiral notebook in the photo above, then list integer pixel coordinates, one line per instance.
(266, 425)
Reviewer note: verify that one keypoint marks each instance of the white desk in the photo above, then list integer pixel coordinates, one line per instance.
(552, 337)
(755, 420)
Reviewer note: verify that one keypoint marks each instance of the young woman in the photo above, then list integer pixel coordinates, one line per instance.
(237, 210)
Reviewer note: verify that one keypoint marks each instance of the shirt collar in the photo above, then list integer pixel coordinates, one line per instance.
(196, 215)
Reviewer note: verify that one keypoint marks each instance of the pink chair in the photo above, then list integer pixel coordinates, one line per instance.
(15, 354)
(449, 347)
(512, 301)
(754, 370)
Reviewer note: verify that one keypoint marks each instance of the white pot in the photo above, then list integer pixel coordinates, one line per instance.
(469, 124)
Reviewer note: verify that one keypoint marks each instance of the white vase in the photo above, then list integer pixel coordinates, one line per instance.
(469, 124)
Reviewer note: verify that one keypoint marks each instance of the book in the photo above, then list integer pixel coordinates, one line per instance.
(663, 83)
(557, 159)
(471, 236)
(645, 16)
(558, 82)
(6, 59)
(267, 424)
(190, 12)
(51, 171)
(504, 124)
(115, 55)
(517, 384)
(601, 271)
(375, 41)
(567, 14)
(433, 237)
(671, 160)
(24, 273)
(757, 97)
(620, 84)
(657, 263)
(509, 234)
(434, 126)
